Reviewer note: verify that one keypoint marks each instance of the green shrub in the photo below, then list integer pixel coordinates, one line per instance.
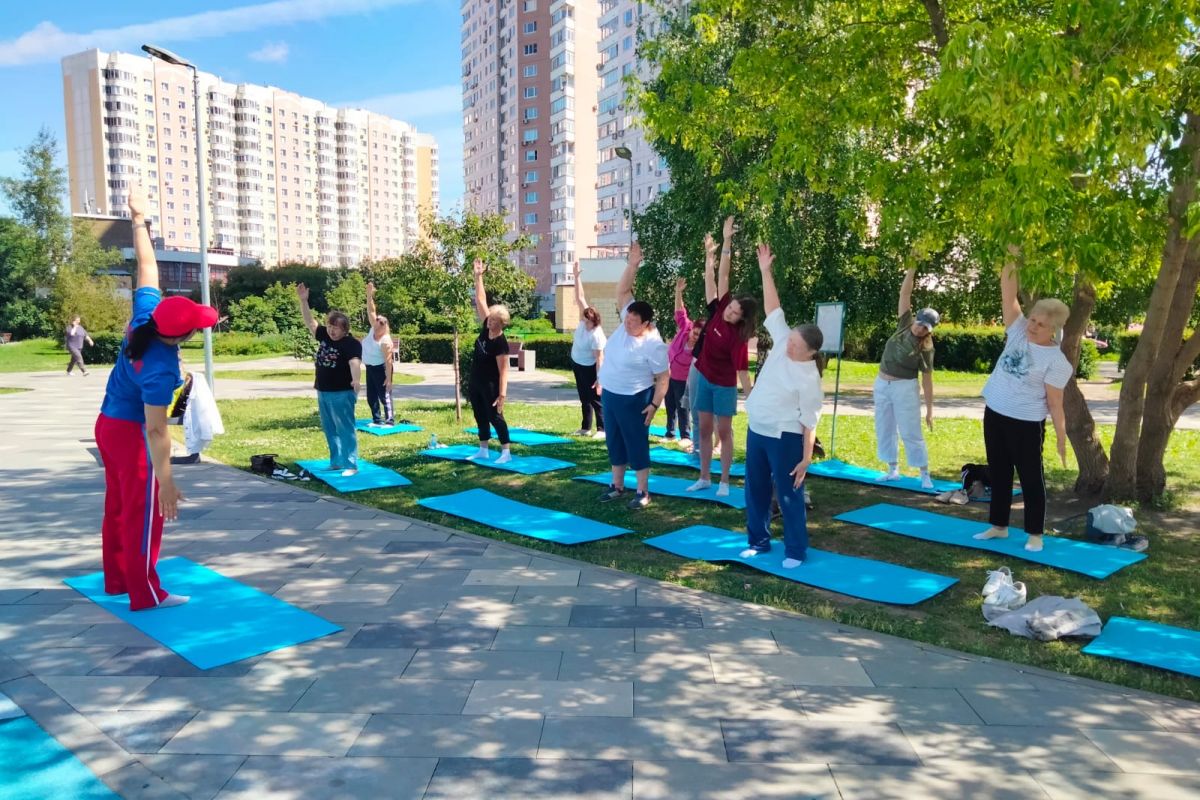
(1127, 342)
(530, 327)
(553, 352)
(973, 349)
(247, 344)
(1089, 357)
(301, 344)
(105, 348)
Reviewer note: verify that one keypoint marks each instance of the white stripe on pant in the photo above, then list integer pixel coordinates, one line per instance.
(898, 411)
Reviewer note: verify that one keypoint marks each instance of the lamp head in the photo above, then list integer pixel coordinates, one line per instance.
(167, 56)
(623, 152)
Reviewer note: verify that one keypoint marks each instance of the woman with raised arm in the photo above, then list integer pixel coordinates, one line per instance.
(131, 431)
(680, 356)
(338, 365)
(782, 414)
(908, 352)
(488, 385)
(1026, 385)
(587, 354)
(634, 375)
(377, 356)
(722, 361)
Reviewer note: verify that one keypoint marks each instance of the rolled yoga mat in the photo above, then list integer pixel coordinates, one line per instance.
(524, 465)
(674, 487)
(854, 576)
(1093, 560)
(369, 476)
(1150, 643)
(225, 621)
(486, 508)
(526, 437)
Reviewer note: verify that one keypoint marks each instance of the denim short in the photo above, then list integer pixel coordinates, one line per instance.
(626, 435)
(720, 401)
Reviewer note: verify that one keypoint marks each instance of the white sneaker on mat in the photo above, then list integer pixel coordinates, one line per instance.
(173, 600)
(700, 485)
(349, 473)
(791, 563)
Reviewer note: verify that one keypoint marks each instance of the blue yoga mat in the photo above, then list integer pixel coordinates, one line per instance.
(370, 476)
(524, 465)
(36, 766)
(840, 470)
(674, 487)
(364, 425)
(486, 508)
(526, 437)
(848, 575)
(225, 621)
(1152, 643)
(678, 458)
(658, 430)
(1093, 560)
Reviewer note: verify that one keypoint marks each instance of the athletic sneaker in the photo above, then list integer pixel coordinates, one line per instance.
(611, 493)
(374, 424)
(582, 432)
(598, 434)
(639, 500)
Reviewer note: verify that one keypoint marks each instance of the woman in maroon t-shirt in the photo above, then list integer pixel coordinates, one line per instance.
(721, 361)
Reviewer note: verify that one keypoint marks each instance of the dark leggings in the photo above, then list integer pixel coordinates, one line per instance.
(1015, 443)
(585, 383)
(676, 392)
(482, 397)
(76, 360)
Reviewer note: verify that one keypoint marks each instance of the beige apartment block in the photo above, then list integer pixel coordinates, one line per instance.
(288, 178)
(529, 83)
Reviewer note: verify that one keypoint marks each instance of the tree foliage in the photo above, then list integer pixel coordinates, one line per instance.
(83, 287)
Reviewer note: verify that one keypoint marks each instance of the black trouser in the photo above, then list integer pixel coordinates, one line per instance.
(585, 385)
(76, 358)
(378, 396)
(1015, 443)
(676, 392)
(483, 395)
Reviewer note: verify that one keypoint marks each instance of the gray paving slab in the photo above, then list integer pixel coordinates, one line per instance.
(10, 669)
(684, 780)
(817, 742)
(707, 640)
(575, 595)
(51, 596)
(9, 709)
(135, 782)
(530, 779)
(413, 580)
(388, 523)
(616, 616)
(522, 577)
(750, 670)
(314, 662)
(504, 562)
(446, 736)
(288, 777)
(940, 782)
(110, 633)
(1083, 785)
(933, 671)
(493, 614)
(197, 777)
(251, 693)
(1077, 709)
(640, 667)
(267, 733)
(1172, 715)
(14, 596)
(421, 637)
(88, 693)
(674, 699)
(886, 704)
(140, 731)
(1149, 752)
(579, 640)
(400, 613)
(157, 661)
(485, 665)
(338, 693)
(317, 591)
(593, 698)
(24, 615)
(64, 660)
(1017, 745)
(430, 548)
(631, 738)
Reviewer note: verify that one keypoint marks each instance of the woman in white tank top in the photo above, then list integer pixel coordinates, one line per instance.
(377, 356)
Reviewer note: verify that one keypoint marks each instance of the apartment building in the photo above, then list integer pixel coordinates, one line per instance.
(529, 151)
(288, 178)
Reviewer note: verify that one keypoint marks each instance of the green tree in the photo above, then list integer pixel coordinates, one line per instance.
(349, 296)
(36, 197)
(252, 315)
(1067, 129)
(284, 307)
(82, 285)
(22, 312)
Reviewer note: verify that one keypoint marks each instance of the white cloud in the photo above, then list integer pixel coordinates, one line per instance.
(46, 42)
(274, 52)
(419, 104)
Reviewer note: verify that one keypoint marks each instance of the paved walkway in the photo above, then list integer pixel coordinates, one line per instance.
(475, 669)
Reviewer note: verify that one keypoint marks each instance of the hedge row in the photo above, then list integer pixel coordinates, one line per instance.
(1127, 342)
(107, 346)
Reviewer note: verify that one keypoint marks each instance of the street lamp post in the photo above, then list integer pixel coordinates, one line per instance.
(626, 154)
(205, 280)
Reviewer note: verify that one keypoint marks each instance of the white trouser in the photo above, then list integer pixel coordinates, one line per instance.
(898, 411)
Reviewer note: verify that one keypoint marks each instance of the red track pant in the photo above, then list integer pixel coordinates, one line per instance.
(133, 523)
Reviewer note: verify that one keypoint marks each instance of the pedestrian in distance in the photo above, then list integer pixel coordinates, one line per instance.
(74, 339)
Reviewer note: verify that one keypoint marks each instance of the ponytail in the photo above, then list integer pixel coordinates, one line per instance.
(814, 337)
(139, 339)
(821, 360)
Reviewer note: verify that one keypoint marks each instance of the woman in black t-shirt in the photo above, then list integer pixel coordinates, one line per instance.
(338, 363)
(488, 383)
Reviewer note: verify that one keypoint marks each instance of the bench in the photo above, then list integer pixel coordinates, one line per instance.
(521, 358)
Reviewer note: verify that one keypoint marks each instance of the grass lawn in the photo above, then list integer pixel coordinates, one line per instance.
(48, 355)
(1162, 588)
(301, 374)
(11, 390)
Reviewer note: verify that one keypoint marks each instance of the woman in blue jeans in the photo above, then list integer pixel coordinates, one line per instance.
(338, 367)
(782, 411)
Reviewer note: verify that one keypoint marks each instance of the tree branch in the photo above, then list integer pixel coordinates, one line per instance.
(937, 23)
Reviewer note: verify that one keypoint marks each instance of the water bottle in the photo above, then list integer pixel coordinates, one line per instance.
(433, 442)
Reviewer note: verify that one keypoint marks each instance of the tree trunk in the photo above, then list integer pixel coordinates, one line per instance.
(937, 23)
(1081, 427)
(457, 381)
(1123, 470)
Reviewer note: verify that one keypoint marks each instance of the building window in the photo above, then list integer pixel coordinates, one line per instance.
(531, 113)
(530, 49)
(530, 27)
(530, 5)
(531, 155)
(531, 218)
(531, 197)
(531, 176)
(530, 92)
(530, 70)
(530, 135)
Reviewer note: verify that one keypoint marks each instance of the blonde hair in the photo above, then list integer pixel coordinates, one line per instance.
(1054, 310)
(500, 311)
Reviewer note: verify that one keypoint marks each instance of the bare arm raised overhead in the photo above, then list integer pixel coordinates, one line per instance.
(726, 257)
(481, 307)
(1010, 303)
(580, 300)
(309, 322)
(766, 260)
(143, 248)
(906, 290)
(710, 267)
(625, 283)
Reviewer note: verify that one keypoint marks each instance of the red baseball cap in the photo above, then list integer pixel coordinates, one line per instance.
(179, 316)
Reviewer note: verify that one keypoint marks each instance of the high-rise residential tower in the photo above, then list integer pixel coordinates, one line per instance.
(289, 178)
(529, 105)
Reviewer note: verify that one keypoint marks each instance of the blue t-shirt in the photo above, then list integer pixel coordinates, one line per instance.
(149, 382)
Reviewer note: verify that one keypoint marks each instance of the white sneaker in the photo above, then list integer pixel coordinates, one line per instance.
(598, 435)
(582, 432)
(173, 600)
(700, 486)
(791, 563)
(749, 552)
(996, 579)
(722, 489)
(349, 473)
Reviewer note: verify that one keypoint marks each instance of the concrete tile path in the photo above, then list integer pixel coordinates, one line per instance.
(474, 669)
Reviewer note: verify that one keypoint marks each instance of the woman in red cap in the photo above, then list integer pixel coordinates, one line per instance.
(131, 430)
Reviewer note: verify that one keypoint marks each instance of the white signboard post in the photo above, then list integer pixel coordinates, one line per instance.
(831, 319)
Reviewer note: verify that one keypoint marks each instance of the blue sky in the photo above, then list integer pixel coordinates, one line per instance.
(397, 57)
